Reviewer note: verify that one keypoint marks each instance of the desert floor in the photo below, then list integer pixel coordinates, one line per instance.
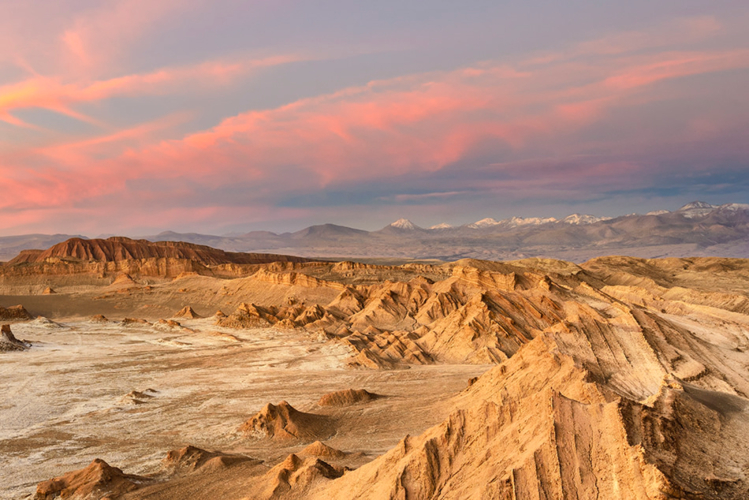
(71, 398)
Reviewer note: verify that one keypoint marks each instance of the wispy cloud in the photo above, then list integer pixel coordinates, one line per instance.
(541, 124)
(54, 95)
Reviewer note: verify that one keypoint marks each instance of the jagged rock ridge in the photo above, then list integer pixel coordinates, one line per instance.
(618, 378)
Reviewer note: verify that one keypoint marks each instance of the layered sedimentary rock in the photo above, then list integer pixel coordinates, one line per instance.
(120, 248)
(295, 476)
(619, 378)
(119, 255)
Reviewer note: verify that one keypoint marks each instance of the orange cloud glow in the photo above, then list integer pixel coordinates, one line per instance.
(536, 108)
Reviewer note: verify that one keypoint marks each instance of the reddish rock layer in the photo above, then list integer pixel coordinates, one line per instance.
(120, 248)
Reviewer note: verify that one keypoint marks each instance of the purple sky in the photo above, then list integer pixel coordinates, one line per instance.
(137, 116)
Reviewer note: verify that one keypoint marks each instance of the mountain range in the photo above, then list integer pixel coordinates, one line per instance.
(696, 229)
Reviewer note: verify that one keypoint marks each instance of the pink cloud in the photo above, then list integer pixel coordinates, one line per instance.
(78, 38)
(421, 123)
(98, 38)
(383, 129)
(678, 65)
(677, 32)
(375, 132)
(52, 94)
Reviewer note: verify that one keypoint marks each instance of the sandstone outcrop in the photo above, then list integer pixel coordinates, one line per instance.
(118, 248)
(98, 480)
(9, 342)
(618, 378)
(538, 425)
(347, 397)
(14, 313)
(294, 476)
(190, 459)
(187, 312)
(284, 422)
(319, 449)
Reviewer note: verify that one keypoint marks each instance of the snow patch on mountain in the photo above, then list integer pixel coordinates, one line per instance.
(403, 224)
(530, 221)
(578, 219)
(733, 207)
(696, 209)
(488, 222)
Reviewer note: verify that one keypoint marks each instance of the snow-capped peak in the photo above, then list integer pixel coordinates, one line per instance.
(403, 224)
(696, 205)
(733, 207)
(443, 225)
(578, 219)
(530, 221)
(696, 209)
(488, 222)
(658, 212)
(512, 222)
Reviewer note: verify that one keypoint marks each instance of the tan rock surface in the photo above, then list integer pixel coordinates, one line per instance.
(120, 249)
(14, 313)
(617, 378)
(283, 422)
(188, 313)
(98, 480)
(347, 397)
(9, 342)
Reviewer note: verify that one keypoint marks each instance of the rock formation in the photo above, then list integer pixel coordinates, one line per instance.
(119, 248)
(618, 378)
(134, 321)
(124, 280)
(319, 449)
(169, 325)
(14, 313)
(187, 312)
(191, 459)
(347, 397)
(294, 476)
(9, 342)
(539, 425)
(284, 422)
(98, 480)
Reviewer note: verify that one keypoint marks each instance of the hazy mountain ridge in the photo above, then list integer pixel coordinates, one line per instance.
(696, 229)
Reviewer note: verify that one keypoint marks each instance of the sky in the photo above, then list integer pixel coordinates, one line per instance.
(138, 116)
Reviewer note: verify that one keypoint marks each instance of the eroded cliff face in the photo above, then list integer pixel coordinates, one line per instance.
(480, 312)
(119, 249)
(538, 426)
(619, 378)
(88, 261)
